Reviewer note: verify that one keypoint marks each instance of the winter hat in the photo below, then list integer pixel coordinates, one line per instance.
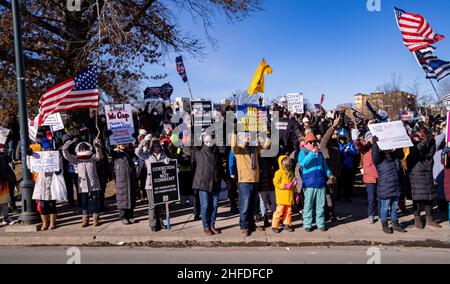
(368, 135)
(343, 133)
(84, 150)
(310, 137)
(143, 132)
(46, 144)
(305, 120)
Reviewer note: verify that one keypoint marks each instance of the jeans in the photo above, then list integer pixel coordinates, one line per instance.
(48, 207)
(209, 202)
(449, 213)
(4, 212)
(12, 145)
(387, 204)
(248, 195)
(266, 199)
(314, 197)
(371, 199)
(85, 203)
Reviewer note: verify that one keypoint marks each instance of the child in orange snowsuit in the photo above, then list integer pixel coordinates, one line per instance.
(284, 182)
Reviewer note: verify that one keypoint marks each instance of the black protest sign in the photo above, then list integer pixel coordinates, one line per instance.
(164, 92)
(201, 118)
(165, 182)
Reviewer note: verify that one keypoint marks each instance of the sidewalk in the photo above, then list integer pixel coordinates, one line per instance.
(351, 229)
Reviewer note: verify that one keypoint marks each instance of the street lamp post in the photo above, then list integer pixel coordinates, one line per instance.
(29, 216)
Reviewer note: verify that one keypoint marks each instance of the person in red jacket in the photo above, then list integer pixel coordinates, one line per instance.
(370, 174)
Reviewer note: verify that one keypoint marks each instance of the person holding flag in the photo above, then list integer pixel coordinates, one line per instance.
(257, 84)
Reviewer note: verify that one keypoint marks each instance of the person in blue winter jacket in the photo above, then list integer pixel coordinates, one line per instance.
(315, 176)
(348, 152)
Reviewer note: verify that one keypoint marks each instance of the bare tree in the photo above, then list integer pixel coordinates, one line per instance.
(395, 85)
(424, 97)
(241, 97)
(134, 33)
(444, 88)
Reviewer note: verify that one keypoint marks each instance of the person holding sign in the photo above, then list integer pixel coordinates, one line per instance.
(150, 151)
(388, 189)
(125, 165)
(47, 184)
(208, 174)
(86, 163)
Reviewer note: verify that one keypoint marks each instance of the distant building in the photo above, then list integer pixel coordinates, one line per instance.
(392, 103)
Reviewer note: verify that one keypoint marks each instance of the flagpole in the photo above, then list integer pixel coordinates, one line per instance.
(190, 91)
(98, 61)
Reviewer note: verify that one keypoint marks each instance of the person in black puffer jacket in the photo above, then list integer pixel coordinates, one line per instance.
(388, 190)
(420, 170)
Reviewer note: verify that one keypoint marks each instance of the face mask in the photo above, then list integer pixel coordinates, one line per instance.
(155, 113)
(309, 146)
(209, 144)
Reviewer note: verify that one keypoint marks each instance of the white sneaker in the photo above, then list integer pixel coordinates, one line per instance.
(371, 220)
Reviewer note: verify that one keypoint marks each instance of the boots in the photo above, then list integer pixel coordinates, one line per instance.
(96, 220)
(418, 222)
(45, 222)
(396, 226)
(430, 222)
(85, 222)
(52, 222)
(386, 227)
(266, 221)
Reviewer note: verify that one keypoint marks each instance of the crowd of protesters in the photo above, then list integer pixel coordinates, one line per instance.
(320, 155)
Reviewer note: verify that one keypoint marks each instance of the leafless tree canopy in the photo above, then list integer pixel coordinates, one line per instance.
(59, 43)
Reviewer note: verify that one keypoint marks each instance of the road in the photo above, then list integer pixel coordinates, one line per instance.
(266, 255)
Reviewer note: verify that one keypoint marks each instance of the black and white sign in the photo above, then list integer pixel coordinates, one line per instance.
(165, 182)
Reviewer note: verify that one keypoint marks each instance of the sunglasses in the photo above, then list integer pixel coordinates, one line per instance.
(313, 142)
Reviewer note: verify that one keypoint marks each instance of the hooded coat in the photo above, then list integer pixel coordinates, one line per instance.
(281, 178)
(88, 180)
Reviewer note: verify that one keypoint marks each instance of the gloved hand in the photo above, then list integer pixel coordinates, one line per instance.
(148, 138)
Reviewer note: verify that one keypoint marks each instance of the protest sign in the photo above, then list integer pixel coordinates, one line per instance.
(251, 122)
(119, 119)
(165, 182)
(295, 103)
(201, 118)
(448, 128)
(45, 162)
(4, 132)
(391, 135)
(55, 121)
(164, 92)
(32, 131)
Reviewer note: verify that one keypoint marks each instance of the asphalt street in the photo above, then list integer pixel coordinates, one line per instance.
(250, 255)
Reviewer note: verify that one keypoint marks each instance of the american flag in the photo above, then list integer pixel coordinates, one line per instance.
(417, 32)
(80, 92)
(433, 66)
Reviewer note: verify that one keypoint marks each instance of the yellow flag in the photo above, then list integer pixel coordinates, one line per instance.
(257, 85)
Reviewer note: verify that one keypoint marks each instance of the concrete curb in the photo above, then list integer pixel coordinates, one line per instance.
(182, 242)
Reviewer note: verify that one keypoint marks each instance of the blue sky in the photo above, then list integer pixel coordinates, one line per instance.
(336, 47)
